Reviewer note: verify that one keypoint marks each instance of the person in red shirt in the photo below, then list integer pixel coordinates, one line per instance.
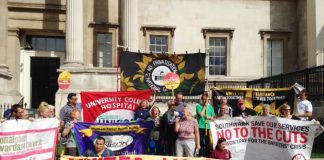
(220, 151)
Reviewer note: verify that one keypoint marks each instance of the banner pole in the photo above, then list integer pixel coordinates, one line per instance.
(206, 122)
(117, 67)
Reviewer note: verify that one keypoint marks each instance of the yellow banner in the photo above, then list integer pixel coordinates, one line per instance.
(136, 128)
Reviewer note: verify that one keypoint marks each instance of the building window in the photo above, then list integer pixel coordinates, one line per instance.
(46, 43)
(158, 39)
(274, 56)
(104, 50)
(217, 56)
(158, 43)
(276, 51)
(218, 42)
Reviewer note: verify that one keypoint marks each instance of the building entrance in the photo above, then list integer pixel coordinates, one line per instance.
(43, 75)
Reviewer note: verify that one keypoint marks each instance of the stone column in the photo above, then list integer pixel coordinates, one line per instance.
(74, 33)
(130, 24)
(4, 70)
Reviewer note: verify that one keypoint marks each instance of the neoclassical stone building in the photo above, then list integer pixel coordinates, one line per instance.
(244, 40)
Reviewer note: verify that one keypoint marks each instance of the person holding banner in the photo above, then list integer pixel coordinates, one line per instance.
(223, 101)
(17, 111)
(223, 112)
(43, 110)
(266, 111)
(143, 111)
(71, 144)
(100, 149)
(304, 107)
(188, 135)
(51, 111)
(71, 104)
(220, 151)
(243, 111)
(205, 113)
(155, 145)
(285, 111)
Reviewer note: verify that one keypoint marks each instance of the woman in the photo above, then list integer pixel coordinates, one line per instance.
(205, 113)
(285, 111)
(51, 111)
(266, 110)
(71, 144)
(43, 110)
(155, 145)
(143, 111)
(220, 151)
(188, 135)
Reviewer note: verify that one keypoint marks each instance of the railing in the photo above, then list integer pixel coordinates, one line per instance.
(228, 84)
(3, 108)
(211, 84)
(311, 78)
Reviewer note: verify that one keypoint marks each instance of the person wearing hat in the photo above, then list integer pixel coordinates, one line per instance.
(242, 110)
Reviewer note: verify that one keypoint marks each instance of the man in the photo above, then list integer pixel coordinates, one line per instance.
(304, 107)
(205, 114)
(179, 102)
(17, 111)
(66, 110)
(224, 100)
(223, 112)
(167, 133)
(243, 111)
(100, 149)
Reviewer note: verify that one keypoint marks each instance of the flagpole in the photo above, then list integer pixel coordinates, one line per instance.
(117, 66)
(206, 122)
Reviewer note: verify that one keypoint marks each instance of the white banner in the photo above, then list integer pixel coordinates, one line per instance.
(23, 139)
(265, 138)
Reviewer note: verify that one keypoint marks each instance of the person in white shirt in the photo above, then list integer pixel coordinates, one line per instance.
(304, 108)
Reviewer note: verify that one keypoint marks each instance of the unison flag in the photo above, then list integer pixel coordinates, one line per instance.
(112, 107)
(122, 138)
(146, 71)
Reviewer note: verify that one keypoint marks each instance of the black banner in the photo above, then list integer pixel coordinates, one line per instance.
(141, 71)
(256, 98)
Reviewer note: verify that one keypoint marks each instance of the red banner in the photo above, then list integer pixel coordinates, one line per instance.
(111, 107)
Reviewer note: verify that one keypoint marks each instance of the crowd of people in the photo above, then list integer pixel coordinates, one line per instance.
(177, 132)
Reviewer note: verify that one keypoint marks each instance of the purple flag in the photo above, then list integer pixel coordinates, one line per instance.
(122, 138)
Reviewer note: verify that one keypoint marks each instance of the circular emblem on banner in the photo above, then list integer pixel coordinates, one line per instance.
(298, 156)
(171, 81)
(155, 72)
(64, 80)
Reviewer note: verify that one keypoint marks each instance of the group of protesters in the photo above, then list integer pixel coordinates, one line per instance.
(180, 133)
(177, 132)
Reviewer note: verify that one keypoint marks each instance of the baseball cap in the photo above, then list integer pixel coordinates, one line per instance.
(240, 101)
